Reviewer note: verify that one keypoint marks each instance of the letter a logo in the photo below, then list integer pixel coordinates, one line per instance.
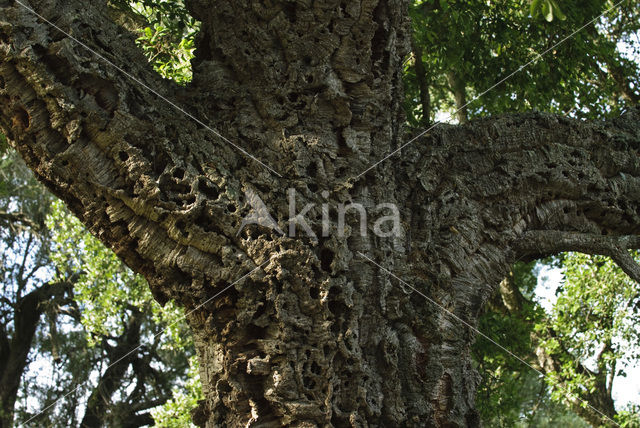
(259, 213)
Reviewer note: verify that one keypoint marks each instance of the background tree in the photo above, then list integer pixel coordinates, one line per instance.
(25, 292)
(71, 308)
(77, 330)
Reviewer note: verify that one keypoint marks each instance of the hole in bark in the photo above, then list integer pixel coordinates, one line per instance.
(231, 208)
(123, 156)
(336, 308)
(289, 11)
(210, 191)
(107, 99)
(178, 173)
(326, 257)
(180, 225)
(56, 65)
(315, 368)
(260, 311)
(314, 293)
(312, 187)
(103, 91)
(20, 118)
(312, 170)
(308, 382)
(334, 292)
(256, 332)
(160, 162)
(306, 60)
(1, 82)
(223, 387)
(293, 97)
(205, 220)
(65, 163)
(253, 233)
(309, 78)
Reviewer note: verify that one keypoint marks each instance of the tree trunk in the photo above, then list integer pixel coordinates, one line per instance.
(315, 334)
(459, 90)
(119, 358)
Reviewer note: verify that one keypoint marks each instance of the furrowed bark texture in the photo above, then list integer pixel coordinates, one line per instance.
(316, 334)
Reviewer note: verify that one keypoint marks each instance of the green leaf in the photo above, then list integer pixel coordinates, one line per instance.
(561, 16)
(547, 10)
(533, 8)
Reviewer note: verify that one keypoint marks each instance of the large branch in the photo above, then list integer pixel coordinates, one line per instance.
(616, 247)
(14, 352)
(530, 185)
(119, 358)
(98, 127)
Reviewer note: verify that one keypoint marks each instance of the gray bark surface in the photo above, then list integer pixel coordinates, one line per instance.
(317, 336)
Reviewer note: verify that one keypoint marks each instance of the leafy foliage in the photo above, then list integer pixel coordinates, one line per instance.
(167, 34)
(594, 322)
(485, 42)
(176, 412)
(510, 393)
(81, 328)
